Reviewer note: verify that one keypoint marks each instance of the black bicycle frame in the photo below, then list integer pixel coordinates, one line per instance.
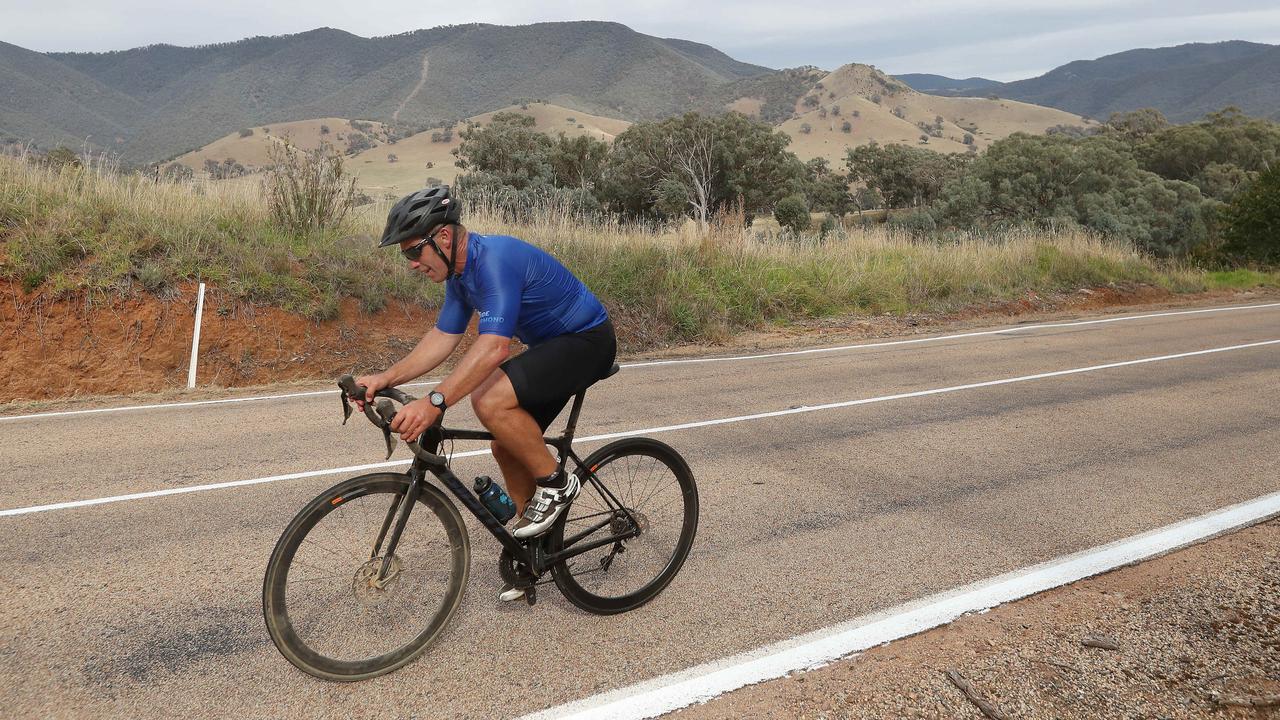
(531, 554)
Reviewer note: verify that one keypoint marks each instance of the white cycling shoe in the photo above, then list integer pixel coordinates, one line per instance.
(511, 592)
(545, 506)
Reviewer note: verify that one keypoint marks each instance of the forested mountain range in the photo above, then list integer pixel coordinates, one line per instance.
(159, 101)
(1184, 82)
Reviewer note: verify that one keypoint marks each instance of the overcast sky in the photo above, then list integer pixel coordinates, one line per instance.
(1001, 39)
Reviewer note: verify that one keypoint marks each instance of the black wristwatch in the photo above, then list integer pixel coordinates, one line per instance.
(437, 398)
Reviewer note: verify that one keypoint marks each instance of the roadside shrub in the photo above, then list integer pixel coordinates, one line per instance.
(1252, 222)
(307, 190)
(246, 132)
(60, 157)
(828, 226)
(917, 223)
(792, 212)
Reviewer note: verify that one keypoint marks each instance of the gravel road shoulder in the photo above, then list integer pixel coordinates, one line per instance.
(1197, 634)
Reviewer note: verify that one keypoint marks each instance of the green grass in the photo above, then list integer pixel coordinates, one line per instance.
(90, 231)
(1241, 279)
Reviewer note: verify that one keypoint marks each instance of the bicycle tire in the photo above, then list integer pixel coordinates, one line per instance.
(598, 462)
(275, 606)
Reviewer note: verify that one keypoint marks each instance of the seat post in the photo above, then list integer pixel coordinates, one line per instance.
(572, 425)
(573, 415)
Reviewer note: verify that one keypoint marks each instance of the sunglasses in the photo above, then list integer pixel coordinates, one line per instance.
(414, 252)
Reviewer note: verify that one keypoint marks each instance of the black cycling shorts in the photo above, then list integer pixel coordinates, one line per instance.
(548, 374)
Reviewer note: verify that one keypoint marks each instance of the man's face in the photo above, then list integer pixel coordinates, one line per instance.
(429, 263)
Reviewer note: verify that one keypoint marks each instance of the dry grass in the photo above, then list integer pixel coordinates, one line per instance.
(91, 230)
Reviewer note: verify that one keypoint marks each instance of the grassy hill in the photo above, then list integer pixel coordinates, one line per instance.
(379, 176)
(879, 108)
(771, 96)
(252, 150)
(1184, 82)
(418, 157)
(162, 101)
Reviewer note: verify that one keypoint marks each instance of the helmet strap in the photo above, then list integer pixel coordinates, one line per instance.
(451, 262)
(453, 254)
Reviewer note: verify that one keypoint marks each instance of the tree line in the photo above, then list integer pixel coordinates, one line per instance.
(1205, 190)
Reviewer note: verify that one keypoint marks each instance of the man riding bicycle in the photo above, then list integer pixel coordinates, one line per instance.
(517, 290)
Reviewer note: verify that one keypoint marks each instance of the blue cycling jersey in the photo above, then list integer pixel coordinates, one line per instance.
(519, 291)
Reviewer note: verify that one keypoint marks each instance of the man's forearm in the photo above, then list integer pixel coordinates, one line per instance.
(431, 350)
(481, 360)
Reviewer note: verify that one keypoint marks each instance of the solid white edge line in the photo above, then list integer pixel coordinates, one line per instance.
(980, 333)
(686, 361)
(704, 682)
(642, 431)
(191, 403)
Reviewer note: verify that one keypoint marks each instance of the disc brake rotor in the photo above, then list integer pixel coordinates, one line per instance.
(620, 524)
(366, 586)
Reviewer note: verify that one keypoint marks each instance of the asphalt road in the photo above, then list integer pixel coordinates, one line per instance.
(151, 607)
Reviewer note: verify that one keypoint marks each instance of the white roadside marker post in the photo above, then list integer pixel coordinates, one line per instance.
(195, 340)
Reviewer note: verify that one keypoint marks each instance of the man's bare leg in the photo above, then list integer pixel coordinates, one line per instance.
(519, 480)
(524, 455)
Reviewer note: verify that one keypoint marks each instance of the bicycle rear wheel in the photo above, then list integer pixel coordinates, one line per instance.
(656, 487)
(326, 608)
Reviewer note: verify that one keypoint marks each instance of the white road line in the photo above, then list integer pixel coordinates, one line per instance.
(685, 361)
(701, 683)
(980, 333)
(191, 403)
(643, 431)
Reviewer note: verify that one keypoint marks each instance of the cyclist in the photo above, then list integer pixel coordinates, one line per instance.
(517, 290)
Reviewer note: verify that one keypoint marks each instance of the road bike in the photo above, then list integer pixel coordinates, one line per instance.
(353, 589)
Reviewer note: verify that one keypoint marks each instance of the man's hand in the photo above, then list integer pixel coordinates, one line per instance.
(374, 383)
(413, 419)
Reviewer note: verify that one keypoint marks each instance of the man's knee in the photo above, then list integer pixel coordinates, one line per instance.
(494, 397)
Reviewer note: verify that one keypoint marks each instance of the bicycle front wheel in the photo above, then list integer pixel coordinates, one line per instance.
(632, 486)
(337, 606)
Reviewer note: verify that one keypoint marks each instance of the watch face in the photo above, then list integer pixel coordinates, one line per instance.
(437, 399)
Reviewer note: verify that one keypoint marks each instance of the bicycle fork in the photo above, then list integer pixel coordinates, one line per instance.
(399, 512)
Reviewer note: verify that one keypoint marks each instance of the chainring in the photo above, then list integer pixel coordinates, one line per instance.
(513, 572)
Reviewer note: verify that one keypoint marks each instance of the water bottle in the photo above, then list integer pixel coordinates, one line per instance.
(495, 498)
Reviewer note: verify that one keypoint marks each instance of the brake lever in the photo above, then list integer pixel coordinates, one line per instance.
(346, 409)
(349, 389)
(387, 411)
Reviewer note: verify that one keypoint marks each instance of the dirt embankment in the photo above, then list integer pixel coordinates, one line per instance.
(78, 345)
(72, 346)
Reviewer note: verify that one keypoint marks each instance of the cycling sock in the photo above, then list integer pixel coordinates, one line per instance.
(556, 479)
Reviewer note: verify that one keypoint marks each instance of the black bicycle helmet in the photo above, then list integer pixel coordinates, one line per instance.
(417, 214)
